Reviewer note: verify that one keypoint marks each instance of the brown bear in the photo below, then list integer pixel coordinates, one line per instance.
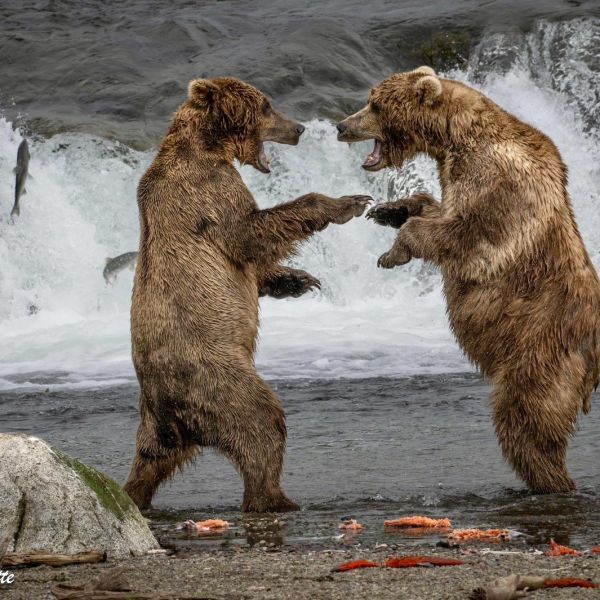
(206, 252)
(523, 296)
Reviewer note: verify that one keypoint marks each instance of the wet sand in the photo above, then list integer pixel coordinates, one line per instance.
(268, 573)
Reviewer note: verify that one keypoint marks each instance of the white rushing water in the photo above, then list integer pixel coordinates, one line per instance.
(58, 316)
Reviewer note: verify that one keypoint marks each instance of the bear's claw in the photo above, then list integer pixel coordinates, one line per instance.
(350, 207)
(294, 283)
(307, 283)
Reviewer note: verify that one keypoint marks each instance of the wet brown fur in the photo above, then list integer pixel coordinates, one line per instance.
(205, 251)
(523, 296)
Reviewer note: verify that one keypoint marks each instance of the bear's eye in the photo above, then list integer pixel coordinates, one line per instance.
(375, 108)
(266, 108)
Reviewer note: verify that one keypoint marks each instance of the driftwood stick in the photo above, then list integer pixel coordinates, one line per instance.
(112, 584)
(31, 559)
(508, 588)
(64, 592)
(517, 586)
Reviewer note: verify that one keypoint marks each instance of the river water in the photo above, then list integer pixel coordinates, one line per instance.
(386, 416)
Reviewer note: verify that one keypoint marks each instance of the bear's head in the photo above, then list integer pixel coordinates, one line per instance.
(410, 113)
(233, 119)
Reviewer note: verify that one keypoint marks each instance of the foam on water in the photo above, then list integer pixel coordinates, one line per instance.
(58, 316)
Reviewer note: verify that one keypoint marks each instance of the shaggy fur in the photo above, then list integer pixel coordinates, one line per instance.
(523, 296)
(205, 252)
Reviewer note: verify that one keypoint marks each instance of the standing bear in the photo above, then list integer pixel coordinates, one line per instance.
(523, 296)
(206, 253)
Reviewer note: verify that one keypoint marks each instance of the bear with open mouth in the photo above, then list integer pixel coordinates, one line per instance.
(206, 253)
(523, 296)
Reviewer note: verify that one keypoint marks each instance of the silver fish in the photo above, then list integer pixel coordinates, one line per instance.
(21, 171)
(115, 265)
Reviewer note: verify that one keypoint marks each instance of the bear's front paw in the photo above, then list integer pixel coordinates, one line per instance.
(411, 237)
(299, 282)
(348, 207)
(389, 213)
(292, 283)
(398, 255)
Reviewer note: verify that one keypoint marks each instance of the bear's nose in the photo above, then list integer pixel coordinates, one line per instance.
(341, 127)
(300, 129)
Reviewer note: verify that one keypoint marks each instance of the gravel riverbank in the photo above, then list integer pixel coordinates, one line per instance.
(284, 574)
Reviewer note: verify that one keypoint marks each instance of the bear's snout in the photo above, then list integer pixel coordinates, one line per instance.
(342, 128)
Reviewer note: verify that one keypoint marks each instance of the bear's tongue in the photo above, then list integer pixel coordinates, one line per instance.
(375, 157)
(263, 160)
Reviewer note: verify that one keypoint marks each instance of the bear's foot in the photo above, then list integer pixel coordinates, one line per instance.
(562, 485)
(280, 503)
(140, 496)
(389, 213)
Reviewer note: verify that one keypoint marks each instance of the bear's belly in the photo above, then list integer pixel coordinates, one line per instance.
(192, 311)
(498, 324)
(475, 314)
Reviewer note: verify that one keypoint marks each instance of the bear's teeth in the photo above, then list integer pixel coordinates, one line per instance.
(375, 157)
(263, 159)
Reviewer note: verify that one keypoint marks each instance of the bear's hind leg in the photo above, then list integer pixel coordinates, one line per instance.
(534, 421)
(245, 421)
(153, 464)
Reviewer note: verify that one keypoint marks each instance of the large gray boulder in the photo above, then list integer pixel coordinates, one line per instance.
(53, 503)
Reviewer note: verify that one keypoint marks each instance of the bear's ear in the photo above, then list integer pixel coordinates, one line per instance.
(429, 89)
(425, 71)
(203, 92)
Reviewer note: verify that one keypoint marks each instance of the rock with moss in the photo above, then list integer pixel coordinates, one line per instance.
(53, 503)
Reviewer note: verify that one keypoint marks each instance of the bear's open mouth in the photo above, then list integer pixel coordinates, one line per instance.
(375, 158)
(263, 159)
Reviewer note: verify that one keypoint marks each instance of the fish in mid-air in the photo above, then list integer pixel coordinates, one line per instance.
(115, 265)
(21, 171)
